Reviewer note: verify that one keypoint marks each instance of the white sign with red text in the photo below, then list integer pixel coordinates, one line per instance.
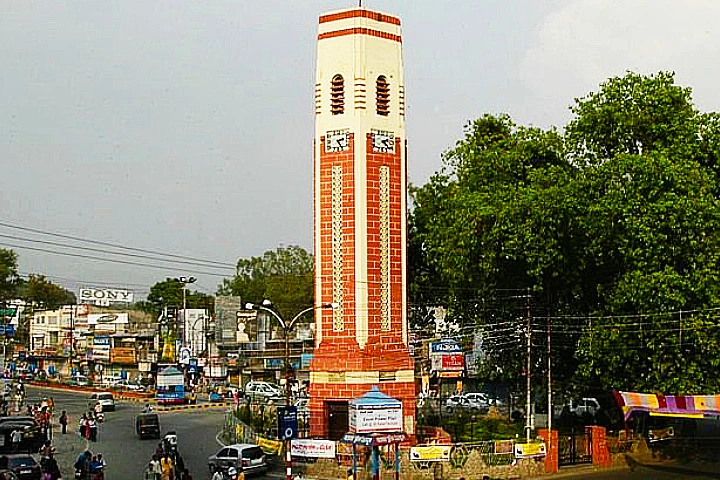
(302, 447)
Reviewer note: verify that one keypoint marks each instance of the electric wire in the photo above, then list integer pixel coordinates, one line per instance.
(109, 260)
(91, 249)
(114, 245)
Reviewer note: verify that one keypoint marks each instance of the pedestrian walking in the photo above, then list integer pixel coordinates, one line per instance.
(167, 466)
(16, 439)
(92, 430)
(63, 422)
(154, 468)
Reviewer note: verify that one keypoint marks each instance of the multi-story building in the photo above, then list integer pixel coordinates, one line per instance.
(91, 340)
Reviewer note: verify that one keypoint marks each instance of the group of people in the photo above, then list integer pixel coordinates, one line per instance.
(230, 473)
(42, 413)
(88, 426)
(167, 463)
(89, 466)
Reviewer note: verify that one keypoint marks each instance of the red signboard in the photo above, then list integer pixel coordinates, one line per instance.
(454, 361)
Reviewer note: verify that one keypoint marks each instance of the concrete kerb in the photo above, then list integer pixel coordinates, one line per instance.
(199, 406)
(136, 398)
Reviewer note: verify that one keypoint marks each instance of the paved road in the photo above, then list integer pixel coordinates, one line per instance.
(125, 454)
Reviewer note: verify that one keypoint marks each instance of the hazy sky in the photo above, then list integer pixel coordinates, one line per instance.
(187, 127)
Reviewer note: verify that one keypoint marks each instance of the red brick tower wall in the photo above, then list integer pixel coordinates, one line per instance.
(370, 347)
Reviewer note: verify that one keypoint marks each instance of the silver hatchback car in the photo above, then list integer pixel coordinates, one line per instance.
(242, 456)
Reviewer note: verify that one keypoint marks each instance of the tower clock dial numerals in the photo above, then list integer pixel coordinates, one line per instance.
(337, 140)
(383, 142)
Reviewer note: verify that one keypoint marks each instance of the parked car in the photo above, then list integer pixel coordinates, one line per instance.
(24, 467)
(250, 458)
(147, 425)
(478, 398)
(106, 399)
(109, 380)
(462, 402)
(80, 380)
(263, 391)
(583, 407)
(128, 385)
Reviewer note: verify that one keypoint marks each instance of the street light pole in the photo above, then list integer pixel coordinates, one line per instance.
(184, 281)
(287, 328)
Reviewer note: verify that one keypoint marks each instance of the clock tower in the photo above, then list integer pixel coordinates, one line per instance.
(359, 219)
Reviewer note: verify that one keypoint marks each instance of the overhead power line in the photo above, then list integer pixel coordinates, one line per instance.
(100, 250)
(115, 245)
(110, 260)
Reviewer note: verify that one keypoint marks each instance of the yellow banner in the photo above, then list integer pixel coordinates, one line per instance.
(269, 446)
(528, 450)
(430, 453)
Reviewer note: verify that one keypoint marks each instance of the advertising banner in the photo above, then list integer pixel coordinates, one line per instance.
(529, 450)
(108, 319)
(430, 453)
(445, 346)
(302, 447)
(269, 446)
(453, 362)
(105, 296)
(122, 355)
(101, 347)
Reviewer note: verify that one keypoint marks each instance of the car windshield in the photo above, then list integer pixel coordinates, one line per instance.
(106, 396)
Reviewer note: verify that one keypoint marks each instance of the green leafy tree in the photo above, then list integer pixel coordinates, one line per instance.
(169, 293)
(283, 276)
(606, 235)
(8, 274)
(42, 294)
(479, 243)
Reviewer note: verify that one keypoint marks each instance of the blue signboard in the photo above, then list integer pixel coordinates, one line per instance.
(287, 422)
(445, 346)
(305, 360)
(192, 365)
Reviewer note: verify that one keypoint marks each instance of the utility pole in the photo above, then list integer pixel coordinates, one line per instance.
(287, 328)
(549, 379)
(72, 337)
(528, 407)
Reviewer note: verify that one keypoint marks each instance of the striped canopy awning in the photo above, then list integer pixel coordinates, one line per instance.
(687, 406)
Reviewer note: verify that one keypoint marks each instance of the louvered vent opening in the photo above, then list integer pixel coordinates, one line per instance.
(337, 95)
(382, 98)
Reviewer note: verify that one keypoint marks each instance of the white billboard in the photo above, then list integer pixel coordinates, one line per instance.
(304, 447)
(105, 296)
(108, 319)
(375, 419)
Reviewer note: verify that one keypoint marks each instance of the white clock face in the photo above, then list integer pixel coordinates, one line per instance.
(337, 140)
(383, 142)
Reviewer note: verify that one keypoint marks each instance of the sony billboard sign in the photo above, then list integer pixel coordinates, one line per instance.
(105, 296)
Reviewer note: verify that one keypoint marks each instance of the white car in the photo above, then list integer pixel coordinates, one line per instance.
(263, 391)
(109, 380)
(106, 399)
(462, 402)
(127, 385)
(241, 456)
(584, 406)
